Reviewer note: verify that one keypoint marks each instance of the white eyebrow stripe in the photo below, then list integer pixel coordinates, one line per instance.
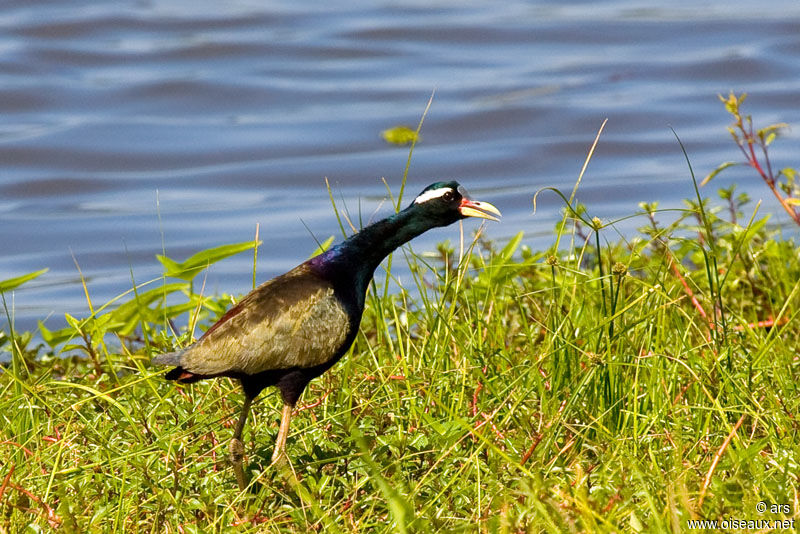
(433, 193)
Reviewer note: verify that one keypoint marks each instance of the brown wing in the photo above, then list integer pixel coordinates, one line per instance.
(293, 320)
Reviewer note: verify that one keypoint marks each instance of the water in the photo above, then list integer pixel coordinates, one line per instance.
(222, 115)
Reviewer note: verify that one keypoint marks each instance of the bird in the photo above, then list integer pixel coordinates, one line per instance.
(294, 327)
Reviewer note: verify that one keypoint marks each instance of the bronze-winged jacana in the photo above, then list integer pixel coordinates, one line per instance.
(294, 327)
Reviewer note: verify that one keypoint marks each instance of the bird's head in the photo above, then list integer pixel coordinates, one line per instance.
(447, 202)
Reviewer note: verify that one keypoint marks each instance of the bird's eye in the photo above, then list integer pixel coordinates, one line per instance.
(449, 196)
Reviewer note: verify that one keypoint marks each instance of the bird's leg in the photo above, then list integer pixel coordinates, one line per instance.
(236, 446)
(280, 442)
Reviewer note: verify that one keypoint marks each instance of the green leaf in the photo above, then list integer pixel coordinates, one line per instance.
(127, 316)
(73, 322)
(11, 283)
(792, 201)
(772, 128)
(194, 264)
(402, 511)
(716, 171)
(400, 135)
(168, 263)
(325, 245)
(789, 173)
(56, 337)
(732, 102)
(511, 247)
(635, 523)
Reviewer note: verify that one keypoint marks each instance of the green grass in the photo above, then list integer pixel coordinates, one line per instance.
(602, 385)
(512, 391)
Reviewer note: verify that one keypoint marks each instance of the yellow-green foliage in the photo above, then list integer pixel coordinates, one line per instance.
(501, 393)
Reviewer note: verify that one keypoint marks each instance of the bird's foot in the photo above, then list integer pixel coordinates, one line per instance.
(236, 457)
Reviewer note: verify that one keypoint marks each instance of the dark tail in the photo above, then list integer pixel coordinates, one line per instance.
(169, 358)
(179, 373)
(183, 376)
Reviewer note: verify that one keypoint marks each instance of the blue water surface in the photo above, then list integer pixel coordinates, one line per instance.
(134, 125)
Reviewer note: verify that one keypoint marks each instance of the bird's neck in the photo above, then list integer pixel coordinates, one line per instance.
(361, 253)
